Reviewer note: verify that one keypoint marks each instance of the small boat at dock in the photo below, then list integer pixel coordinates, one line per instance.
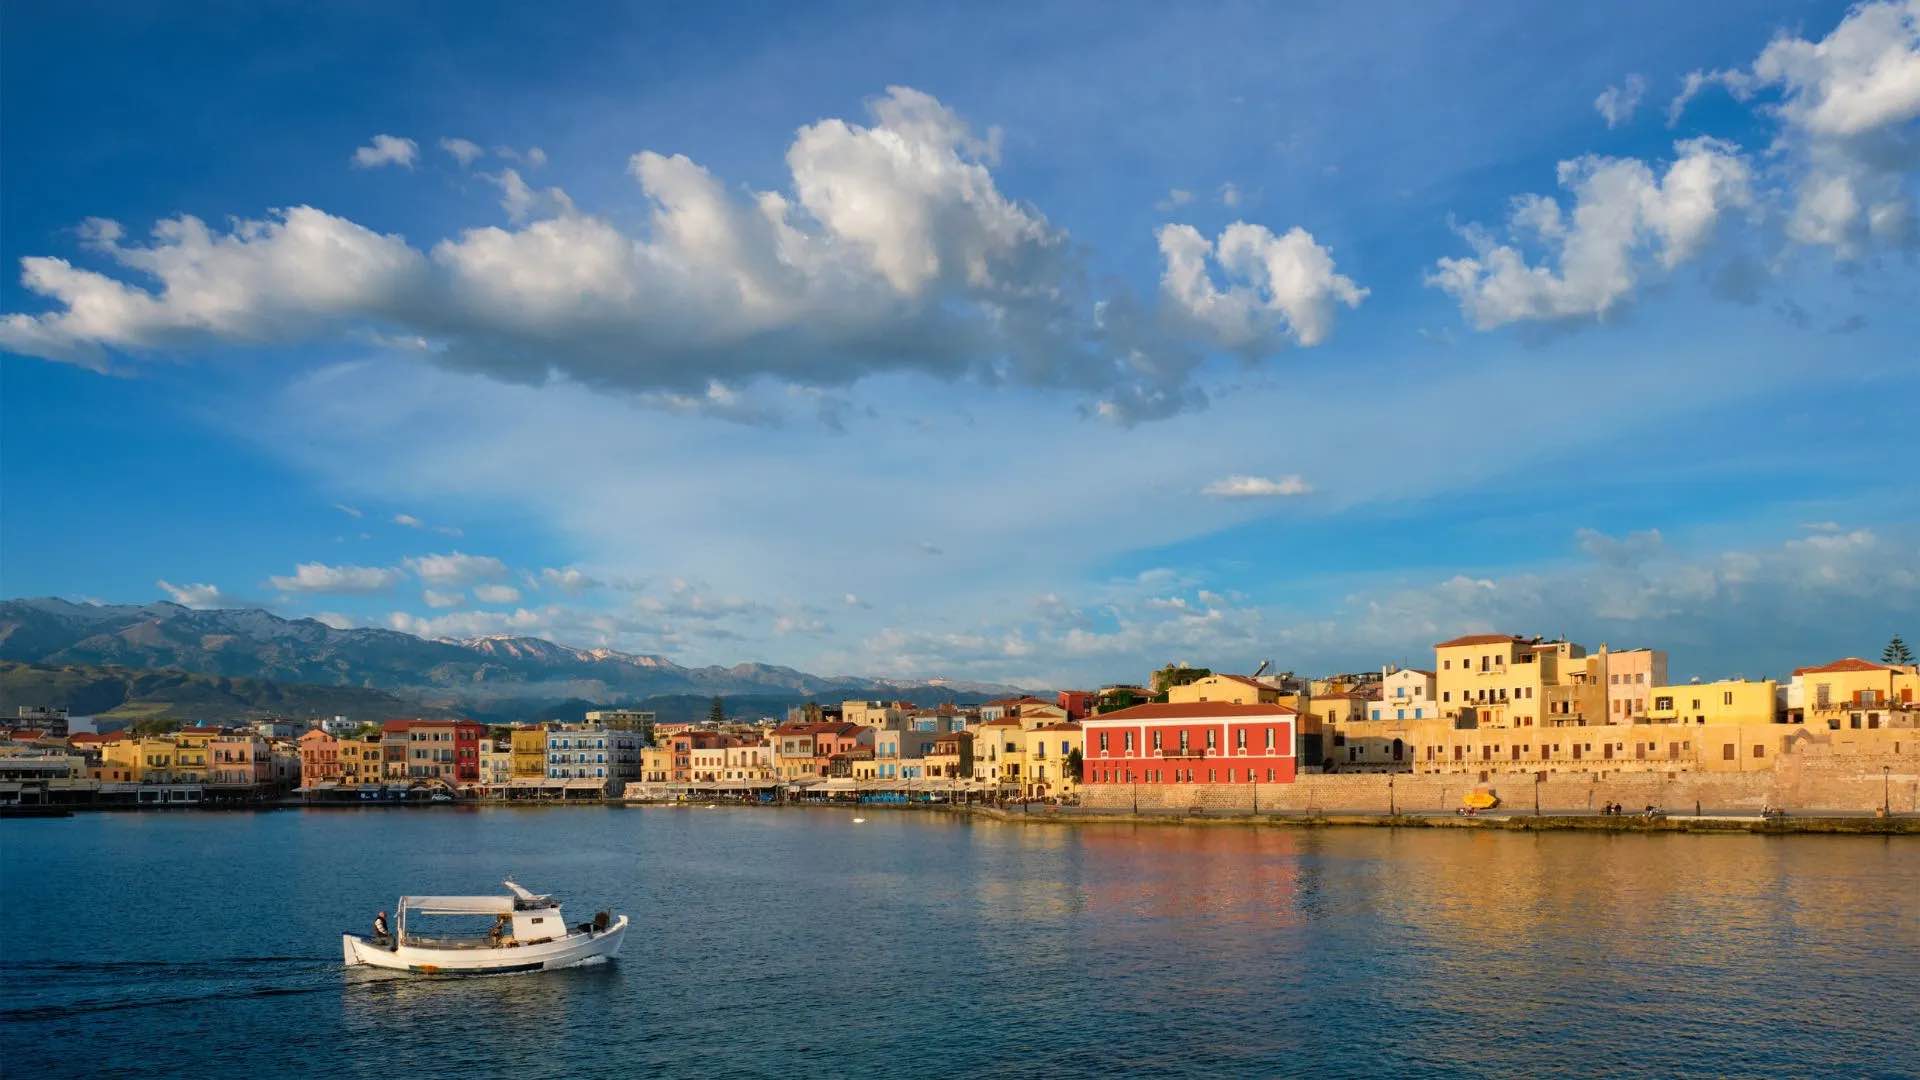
(528, 933)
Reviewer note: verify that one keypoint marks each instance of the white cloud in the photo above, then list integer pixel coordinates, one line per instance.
(1617, 103)
(568, 579)
(1256, 487)
(1845, 105)
(1290, 287)
(1632, 549)
(409, 521)
(268, 280)
(456, 568)
(892, 249)
(335, 620)
(350, 511)
(1230, 196)
(1625, 221)
(194, 596)
(1176, 198)
(536, 158)
(465, 151)
(387, 150)
(798, 624)
(854, 601)
(496, 594)
(435, 598)
(316, 577)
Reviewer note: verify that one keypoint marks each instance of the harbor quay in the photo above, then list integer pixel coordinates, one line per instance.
(1501, 725)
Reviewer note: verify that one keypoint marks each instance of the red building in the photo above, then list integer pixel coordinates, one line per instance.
(1078, 703)
(1204, 742)
(444, 750)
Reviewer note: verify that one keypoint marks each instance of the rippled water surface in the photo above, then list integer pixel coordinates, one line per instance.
(797, 943)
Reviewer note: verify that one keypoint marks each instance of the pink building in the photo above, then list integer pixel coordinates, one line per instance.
(239, 761)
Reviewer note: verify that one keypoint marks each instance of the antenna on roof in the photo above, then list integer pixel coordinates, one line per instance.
(1264, 664)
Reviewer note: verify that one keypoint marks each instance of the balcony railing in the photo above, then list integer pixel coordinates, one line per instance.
(1186, 752)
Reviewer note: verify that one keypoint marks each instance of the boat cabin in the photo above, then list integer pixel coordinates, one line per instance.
(521, 919)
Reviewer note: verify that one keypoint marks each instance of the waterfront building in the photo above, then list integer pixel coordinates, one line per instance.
(1034, 713)
(748, 761)
(656, 764)
(586, 756)
(529, 750)
(1728, 701)
(242, 762)
(1233, 689)
(999, 747)
(1499, 680)
(276, 727)
(140, 759)
(1049, 751)
(900, 755)
(950, 757)
(339, 726)
(319, 758)
(190, 756)
(1856, 694)
(496, 759)
(1196, 743)
(707, 764)
(432, 751)
(360, 761)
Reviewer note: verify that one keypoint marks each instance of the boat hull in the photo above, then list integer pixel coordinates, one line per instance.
(571, 951)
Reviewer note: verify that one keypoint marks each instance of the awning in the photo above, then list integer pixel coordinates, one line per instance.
(458, 905)
(581, 785)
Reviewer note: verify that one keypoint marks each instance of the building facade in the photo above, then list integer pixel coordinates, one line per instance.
(1190, 743)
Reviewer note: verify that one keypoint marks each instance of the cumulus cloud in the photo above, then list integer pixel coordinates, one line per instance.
(456, 568)
(1625, 222)
(496, 594)
(435, 598)
(194, 596)
(1176, 198)
(465, 151)
(316, 577)
(1282, 288)
(1846, 106)
(1257, 487)
(891, 249)
(387, 150)
(1617, 104)
(1628, 550)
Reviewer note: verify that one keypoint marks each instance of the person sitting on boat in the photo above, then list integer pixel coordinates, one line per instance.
(380, 933)
(502, 924)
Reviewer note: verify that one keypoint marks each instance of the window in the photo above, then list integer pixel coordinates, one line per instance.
(1399, 714)
(1103, 742)
(1240, 739)
(1759, 750)
(1270, 734)
(1726, 752)
(1183, 740)
(1446, 695)
(1127, 741)
(1210, 738)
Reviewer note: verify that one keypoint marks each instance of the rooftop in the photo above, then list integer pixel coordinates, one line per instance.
(1851, 663)
(1198, 710)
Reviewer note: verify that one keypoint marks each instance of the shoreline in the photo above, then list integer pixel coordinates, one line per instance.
(1850, 824)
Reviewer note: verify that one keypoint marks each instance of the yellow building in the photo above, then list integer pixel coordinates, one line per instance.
(1854, 693)
(360, 761)
(146, 760)
(1048, 750)
(656, 764)
(1729, 701)
(1438, 746)
(999, 752)
(190, 753)
(1231, 689)
(529, 753)
(1498, 680)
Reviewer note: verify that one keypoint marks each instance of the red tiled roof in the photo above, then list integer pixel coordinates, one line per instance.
(99, 736)
(1851, 663)
(1068, 726)
(1478, 639)
(1247, 679)
(1003, 722)
(1198, 710)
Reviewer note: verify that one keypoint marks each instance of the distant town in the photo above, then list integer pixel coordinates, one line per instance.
(1492, 708)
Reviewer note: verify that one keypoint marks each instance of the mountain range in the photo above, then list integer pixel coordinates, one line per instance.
(483, 674)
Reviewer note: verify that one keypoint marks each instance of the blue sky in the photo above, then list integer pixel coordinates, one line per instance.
(1045, 347)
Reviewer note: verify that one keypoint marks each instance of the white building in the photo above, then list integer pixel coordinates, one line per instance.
(594, 752)
(1405, 694)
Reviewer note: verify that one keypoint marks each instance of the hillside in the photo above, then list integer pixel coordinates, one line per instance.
(121, 693)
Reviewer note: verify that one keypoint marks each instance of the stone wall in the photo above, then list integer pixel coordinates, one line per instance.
(1799, 785)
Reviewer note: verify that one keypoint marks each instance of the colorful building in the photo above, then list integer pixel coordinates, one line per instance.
(319, 758)
(1232, 689)
(1729, 701)
(1852, 693)
(529, 752)
(1049, 760)
(1191, 743)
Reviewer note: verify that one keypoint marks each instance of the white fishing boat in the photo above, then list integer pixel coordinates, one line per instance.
(527, 933)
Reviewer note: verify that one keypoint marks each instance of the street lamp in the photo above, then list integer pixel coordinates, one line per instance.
(1886, 790)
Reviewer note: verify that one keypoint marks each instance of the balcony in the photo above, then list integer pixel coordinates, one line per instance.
(1186, 752)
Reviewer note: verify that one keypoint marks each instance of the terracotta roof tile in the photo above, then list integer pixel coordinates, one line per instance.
(1198, 710)
(1478, 639)
(1851, 663)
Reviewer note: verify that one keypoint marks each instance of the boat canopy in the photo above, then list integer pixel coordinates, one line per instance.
(530, 899)
(458, 905)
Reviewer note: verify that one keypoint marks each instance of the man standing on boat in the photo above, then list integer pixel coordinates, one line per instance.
(380, 933)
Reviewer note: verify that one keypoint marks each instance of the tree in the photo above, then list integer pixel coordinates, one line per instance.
(1074, 762)
(1896, 652)
(717, 712)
